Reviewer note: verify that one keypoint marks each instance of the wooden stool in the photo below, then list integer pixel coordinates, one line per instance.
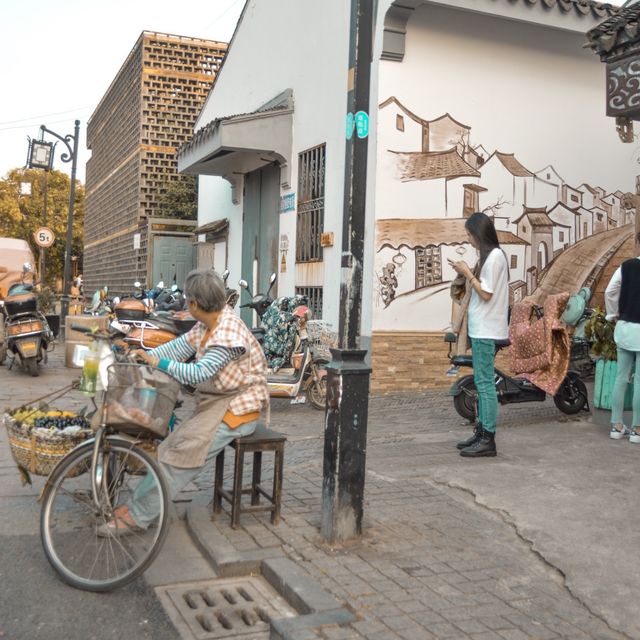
(261, 440)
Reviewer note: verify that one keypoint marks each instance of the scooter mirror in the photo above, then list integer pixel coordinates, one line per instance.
(137, 284)
(243, 284)
(174, 287)
(26, 267)
(224, 275)
(160, 284)
(273, 278)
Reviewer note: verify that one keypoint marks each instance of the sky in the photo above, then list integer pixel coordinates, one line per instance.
(58, 58)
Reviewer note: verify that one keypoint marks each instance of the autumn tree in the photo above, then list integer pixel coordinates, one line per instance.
(21, 214)
(178, 199)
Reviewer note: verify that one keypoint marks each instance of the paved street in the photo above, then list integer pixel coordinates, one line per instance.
(537, 543)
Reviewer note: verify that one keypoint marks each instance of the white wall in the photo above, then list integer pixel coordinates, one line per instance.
(288, 44)
(522, 88)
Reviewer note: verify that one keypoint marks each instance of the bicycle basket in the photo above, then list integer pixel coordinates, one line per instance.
(140, 399)
(321, 338)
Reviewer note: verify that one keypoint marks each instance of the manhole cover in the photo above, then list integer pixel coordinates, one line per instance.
(230, 608)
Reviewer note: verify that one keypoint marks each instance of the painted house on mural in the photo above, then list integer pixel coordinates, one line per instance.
(269, 148)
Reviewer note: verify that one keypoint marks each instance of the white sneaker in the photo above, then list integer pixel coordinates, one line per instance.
(619, 433)
(634, 437)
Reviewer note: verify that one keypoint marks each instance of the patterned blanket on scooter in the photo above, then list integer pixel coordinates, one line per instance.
(540, 348)
(280, 330)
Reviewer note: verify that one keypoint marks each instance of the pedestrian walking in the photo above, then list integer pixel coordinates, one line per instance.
(622, 301)
(487, 320)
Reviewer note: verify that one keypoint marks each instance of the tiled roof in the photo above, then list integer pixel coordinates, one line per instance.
(512, 165)
(582, 7)
(537, 217)
(620, 30)
(433, 165)
(423, 232)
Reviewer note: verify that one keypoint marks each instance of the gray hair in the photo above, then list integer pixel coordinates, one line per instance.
(207, 288)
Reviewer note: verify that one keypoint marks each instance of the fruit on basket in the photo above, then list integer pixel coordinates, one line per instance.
(39, 437)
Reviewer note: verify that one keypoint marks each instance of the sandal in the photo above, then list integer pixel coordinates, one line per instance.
(122, 524)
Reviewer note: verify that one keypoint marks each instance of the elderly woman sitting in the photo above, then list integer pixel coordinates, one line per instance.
(230, 373)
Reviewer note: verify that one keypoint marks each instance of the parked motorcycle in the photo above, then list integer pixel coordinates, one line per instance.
(259, 303)
(101, 303)
(571, 397)
(28, 336)
(295, 366)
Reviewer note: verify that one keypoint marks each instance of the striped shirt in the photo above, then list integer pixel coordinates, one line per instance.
(230, 355)
(173, 354)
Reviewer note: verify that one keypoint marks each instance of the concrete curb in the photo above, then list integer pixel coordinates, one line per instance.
(317, 606)
(226, 560)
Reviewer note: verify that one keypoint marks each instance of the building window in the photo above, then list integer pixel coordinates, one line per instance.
(310, 216)
(574, 198)
(314, 299)
(585, 229)
(514, 261)
(524, 228)
(399, 122)
(428, 266)
(561, 236)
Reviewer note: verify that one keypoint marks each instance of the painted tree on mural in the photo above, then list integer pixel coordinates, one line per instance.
(22, 212)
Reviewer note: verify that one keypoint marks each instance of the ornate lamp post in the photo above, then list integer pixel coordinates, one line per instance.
(617, 42)
(71, 155)
(41, 157)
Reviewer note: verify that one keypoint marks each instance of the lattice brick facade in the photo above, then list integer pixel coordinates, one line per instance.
(147, 112)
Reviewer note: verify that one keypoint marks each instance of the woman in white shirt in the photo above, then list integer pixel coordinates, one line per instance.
(487, 322)
(622, 299)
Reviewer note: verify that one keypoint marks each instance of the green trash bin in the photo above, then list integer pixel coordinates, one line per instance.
(603, 386)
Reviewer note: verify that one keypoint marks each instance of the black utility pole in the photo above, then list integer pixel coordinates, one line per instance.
(70, 156)
(43, 251)
(345, 440)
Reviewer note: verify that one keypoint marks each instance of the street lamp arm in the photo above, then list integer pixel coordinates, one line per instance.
(68, 140)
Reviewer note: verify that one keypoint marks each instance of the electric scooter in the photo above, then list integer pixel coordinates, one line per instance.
(571, 397)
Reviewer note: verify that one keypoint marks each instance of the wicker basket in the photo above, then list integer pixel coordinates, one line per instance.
(36, 452)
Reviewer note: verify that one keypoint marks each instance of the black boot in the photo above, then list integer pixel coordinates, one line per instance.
(475, 436)
(484, 447)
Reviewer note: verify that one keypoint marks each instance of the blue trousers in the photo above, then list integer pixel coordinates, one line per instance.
(628, 363)
(145, 506)
(483, 355)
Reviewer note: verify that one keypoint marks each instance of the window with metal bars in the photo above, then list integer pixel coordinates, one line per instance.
(314, 298)
(310, 216)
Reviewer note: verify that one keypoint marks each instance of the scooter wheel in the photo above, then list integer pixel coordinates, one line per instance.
(465, 402)
(572, 395)
(317, 393)
(31, 365)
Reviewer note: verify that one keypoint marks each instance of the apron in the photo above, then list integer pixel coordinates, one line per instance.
(187, 447)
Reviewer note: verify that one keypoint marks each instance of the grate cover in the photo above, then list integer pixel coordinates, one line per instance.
(228, 608)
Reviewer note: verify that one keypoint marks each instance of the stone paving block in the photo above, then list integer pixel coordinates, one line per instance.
(470, 626)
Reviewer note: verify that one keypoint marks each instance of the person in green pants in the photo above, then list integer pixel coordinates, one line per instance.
(622, 300)
(487, 321)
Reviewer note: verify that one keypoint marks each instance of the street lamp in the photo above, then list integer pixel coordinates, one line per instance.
(39, 154)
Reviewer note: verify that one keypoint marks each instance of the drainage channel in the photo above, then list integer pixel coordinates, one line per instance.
(226, 608)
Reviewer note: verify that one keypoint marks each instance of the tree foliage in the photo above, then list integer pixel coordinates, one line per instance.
(21, 215)
(178, 199)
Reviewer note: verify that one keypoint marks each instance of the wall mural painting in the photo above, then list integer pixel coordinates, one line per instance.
(433, 175)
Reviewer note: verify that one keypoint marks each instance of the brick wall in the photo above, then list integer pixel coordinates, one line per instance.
(413, 361)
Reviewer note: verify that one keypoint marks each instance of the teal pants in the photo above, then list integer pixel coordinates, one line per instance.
(483, 355)
(628, 363)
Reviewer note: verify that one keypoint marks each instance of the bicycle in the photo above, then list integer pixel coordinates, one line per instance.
(82, 492)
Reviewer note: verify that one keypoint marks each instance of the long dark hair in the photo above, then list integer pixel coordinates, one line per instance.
(481, 227)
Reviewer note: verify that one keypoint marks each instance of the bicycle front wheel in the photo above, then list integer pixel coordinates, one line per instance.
(72, 525)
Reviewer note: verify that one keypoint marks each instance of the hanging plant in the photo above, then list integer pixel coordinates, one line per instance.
(599, 332)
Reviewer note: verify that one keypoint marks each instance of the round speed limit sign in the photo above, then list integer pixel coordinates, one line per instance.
(44, 237)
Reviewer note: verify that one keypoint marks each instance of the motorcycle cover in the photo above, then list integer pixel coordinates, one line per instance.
(281, 330)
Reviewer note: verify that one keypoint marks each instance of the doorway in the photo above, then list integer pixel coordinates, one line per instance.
(260, 230)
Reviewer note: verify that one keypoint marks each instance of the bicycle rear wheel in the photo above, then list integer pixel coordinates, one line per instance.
(70, 517)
